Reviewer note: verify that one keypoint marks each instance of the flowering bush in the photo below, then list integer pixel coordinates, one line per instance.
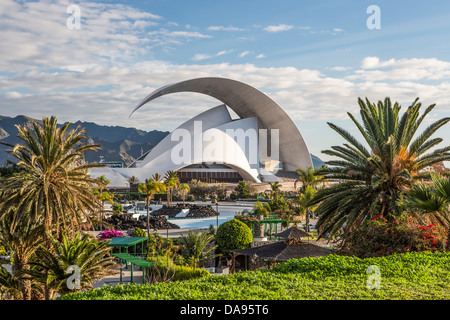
(383, 236)
(108, 234)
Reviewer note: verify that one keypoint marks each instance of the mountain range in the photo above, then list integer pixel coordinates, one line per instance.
(118, 143)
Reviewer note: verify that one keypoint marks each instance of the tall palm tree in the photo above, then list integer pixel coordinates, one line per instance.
(133, 180)
(375, 176)
(303, 202)
(184, 188)
(53, 183)
(308, 177)
(103, 197)
(22, 244)
(157, 177)
(150, 188)
(171, 181)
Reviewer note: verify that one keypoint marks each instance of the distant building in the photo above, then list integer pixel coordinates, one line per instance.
(261, 145)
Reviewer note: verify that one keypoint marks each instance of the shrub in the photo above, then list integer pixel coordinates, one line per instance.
(117, 207)
(242, 189)
(109, 234)
(167, 272)
(233, 234)
(383, 236)
(138, 232)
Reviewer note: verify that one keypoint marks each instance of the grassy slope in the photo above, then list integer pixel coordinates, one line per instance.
(405, 276)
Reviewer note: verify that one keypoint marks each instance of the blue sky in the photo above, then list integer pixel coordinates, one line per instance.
(315, 58)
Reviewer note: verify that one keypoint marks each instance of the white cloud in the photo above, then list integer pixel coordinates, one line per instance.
(260, 56)
(223, 52)
(223, 28)
(201, 56)
(403, 69)
(338, 30)
(341, 68)
(244, 53)
(188, 34)
(278, 28)
(370, 62)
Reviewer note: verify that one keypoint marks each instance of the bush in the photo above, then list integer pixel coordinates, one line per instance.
(383, 236)
(233, 234)
(242, 189)
(186, 273)
(109, 234)
(117, 207)
(138, 232)
(165, 271)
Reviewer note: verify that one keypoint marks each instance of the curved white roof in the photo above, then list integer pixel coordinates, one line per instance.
(247, 102)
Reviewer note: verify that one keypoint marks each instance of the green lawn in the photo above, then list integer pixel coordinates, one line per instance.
(423, 275)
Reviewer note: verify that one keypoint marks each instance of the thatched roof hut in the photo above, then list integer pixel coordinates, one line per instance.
(292, 233)
(290, 248)
(283, 251)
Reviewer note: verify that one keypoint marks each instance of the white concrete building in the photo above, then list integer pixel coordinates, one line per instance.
(213, 147)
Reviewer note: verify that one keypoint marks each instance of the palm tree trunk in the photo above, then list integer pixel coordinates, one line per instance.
(148, 216)
(307, 220)
(24, 284)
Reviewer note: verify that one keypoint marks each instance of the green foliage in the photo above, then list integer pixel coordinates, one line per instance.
(242, 189)
(52, 184)
(197, 247)
(261, 209)
(233, 234)
(83, 251)
(309, 177)
(381, 236)
(407, 276)
(279, 203)
(138, 232)
(117, 207)
(179, 272)
(375, 173)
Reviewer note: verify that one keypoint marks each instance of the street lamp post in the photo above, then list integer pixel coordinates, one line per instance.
(217, 217)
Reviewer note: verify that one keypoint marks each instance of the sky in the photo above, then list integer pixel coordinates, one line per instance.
(95, 60)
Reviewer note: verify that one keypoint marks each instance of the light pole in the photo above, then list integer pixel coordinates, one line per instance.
(217, 217)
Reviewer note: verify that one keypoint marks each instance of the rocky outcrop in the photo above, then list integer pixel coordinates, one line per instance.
(195, 211)
(126, 222)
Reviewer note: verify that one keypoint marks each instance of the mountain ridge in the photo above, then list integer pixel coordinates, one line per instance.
(118, 143)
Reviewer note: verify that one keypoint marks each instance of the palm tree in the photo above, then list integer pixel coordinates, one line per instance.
(103, 195)
(196, 247)
(9, 286)
(133, 180)
(171, 181)
(184, 188)
(53, 182)
(150, 188)
(260, 209)
(431, 201)
(275, 186)
(22, 244)
(81, 251)
(374, 178)
(308, 177)
(157, 177)
(303, 203)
